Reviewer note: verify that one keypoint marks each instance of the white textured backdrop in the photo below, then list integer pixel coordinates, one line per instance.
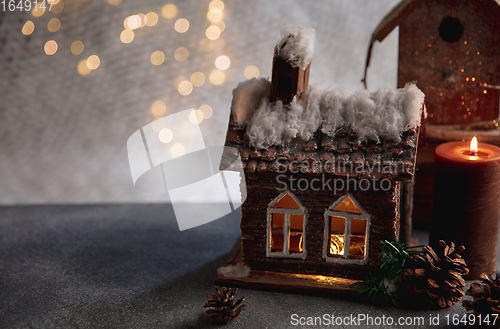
(63, 136)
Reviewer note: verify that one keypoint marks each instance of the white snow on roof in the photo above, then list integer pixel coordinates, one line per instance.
(296, 45)
(385, 113)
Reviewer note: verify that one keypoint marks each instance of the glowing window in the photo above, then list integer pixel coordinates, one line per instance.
(347, 231)
(286, 224)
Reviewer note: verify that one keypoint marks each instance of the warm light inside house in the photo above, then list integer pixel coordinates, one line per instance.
(277, 232)
(296, 231)
(286, 202)
(287, 228)
(337, 231)
(347, 206)
(357, 240)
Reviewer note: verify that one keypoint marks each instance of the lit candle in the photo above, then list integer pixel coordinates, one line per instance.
(467, 201)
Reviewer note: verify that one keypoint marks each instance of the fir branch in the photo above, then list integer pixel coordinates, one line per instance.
(393, 258)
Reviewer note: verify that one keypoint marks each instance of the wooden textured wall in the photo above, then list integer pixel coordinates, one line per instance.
(262, 188)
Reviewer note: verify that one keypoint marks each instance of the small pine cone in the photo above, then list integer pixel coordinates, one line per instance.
(486, 298)
(438, 276)
(222, 308)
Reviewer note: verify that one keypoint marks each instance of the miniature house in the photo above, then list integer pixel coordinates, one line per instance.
(323, 168)
(450, 49)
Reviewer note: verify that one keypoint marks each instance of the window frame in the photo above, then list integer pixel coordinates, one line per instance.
(347, 232)
(286, 229)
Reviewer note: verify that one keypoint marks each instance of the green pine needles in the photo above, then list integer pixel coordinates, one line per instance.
(383, 284)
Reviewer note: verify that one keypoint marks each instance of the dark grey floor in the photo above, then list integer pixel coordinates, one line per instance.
(128, 266)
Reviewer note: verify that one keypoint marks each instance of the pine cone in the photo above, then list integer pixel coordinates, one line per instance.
(438, 278)
(486, 297)
(222, 306)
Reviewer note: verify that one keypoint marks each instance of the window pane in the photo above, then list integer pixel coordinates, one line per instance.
(296, 233)
(347, 206)
(358, 231)
(277, 230)
(336, 240)
(287, 202)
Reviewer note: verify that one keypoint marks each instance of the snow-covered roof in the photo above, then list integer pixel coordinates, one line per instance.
(383, 114)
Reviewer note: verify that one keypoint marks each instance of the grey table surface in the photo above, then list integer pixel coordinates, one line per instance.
(129, 266)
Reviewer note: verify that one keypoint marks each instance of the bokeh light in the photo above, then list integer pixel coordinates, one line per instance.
(54, 25)
(157, 58)
(158, 124)
(93, 62)
(177, 150)
(169, 11)
(178, 80)
(213, 17)
(151, 18)
(57, 7)
(77, 47)
(216, 6)
(82, 68)
(127, 36)
(181, 25)
(132, 22)
(220, 24)
(207, 111)
(197, 79)
(28, 28)
(222, 63)
(217, 77)
(38, 10)
(195, 117)
(181, 54)
(50, 47)
(165, 135)
(213, 32)
(158, 108)
(53, 2)
(251, 72)
(114, 2)
(143, 19)
(185, 88)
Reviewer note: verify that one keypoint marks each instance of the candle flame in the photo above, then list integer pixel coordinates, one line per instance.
(473, 146)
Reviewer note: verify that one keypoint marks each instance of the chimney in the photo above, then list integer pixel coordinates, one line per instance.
(291, 63)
